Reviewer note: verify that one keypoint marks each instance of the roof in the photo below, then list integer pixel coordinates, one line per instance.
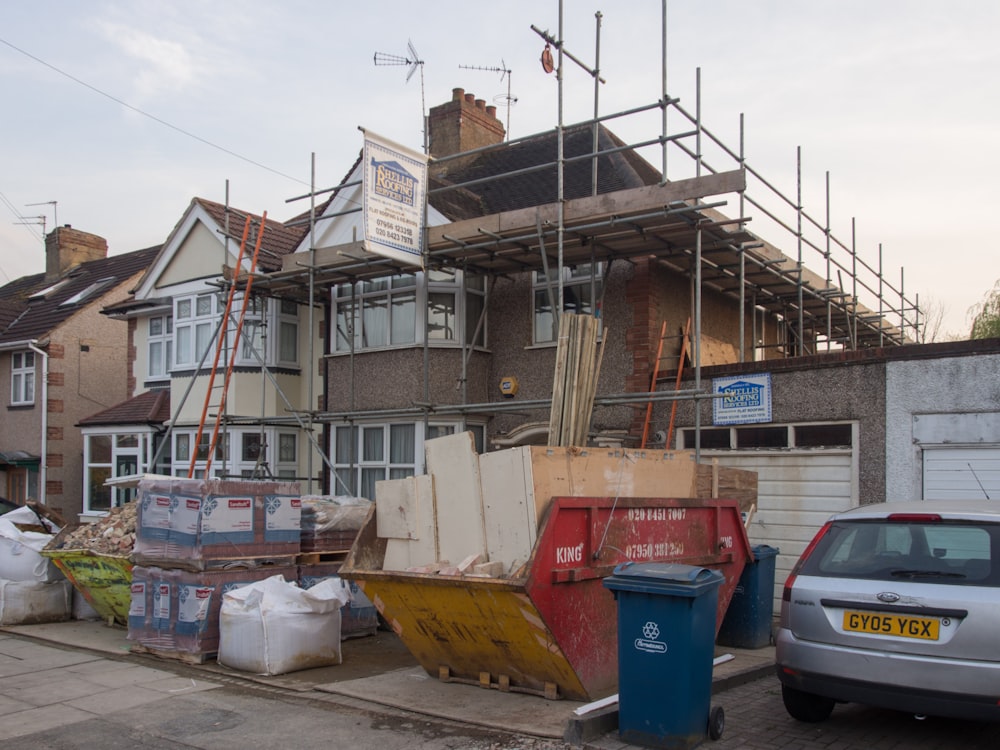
(151, 407)
(32, 306)
(279, 240)
(529, 175)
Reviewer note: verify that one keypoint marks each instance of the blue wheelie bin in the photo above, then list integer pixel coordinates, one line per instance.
(666, 639)
(747, 623)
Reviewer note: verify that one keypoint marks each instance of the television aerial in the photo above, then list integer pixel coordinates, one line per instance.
(413, 60)
(504, 100)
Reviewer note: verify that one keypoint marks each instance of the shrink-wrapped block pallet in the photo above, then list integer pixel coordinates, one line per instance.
(199, 524)
(175, 613)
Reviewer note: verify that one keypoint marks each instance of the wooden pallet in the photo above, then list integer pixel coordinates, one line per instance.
(185, 657)
(314, 558)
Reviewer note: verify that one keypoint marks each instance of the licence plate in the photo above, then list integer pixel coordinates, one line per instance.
(902, 626)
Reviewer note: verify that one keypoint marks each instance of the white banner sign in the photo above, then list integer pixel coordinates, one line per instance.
(395, 180)
(742, 399)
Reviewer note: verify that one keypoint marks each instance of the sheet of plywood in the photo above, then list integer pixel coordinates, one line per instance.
(453, 464)
(508, 506)
(608, 472)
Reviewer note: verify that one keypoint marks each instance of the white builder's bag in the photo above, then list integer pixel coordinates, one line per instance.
(20, 554)
(273, 627)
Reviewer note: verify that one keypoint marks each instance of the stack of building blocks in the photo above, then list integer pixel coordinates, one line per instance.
(195, 540)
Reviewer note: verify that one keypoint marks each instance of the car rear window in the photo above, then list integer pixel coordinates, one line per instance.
(939, 552)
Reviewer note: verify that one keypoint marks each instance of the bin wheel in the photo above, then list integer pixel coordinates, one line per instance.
(716, 722)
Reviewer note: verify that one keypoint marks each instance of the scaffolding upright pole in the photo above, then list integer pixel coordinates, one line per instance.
(801, 349)
(310, 319)
(826, 232)
(597, 92)
(743, 278)
(663, 101)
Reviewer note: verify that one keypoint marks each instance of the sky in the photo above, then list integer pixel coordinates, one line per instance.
(122, 111)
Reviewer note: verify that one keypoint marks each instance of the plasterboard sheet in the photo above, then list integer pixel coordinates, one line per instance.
(508, 506)
(453, 464)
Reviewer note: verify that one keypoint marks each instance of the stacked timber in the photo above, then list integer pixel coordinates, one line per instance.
(578, 365)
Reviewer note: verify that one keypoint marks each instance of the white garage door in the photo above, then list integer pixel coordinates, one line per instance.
(957, 473)
(797, 491)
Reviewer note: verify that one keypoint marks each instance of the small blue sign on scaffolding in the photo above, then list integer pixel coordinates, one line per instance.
(742, 399)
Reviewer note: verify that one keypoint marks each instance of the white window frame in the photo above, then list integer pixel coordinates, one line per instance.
(231, 460)
(22, 378)
(359, 460)
(159, 347)
(133, 446)
(267, 326)
(582, 282)
(286, 350)
(395, 311)
(195, 320)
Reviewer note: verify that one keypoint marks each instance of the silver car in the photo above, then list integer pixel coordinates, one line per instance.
(896, 605)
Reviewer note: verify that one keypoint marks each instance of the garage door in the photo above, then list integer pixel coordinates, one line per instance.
(957, 473)
(797, 491)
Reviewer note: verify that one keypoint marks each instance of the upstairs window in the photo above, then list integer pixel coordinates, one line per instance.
(22, 378)
(395, 311)
(195, 321)
(288, 333)
(160, 346)
(582, 289)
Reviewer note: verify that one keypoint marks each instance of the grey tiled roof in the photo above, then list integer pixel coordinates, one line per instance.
(616, 171)
(25, 316)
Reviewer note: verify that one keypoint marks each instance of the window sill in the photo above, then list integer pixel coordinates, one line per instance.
(446, 345)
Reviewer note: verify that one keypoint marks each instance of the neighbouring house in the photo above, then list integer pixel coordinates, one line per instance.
(177, 374)
(60, 360)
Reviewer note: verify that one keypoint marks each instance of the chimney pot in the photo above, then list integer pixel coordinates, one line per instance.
(457, 94)
(481, 104)
(491, 111)
(470, 98)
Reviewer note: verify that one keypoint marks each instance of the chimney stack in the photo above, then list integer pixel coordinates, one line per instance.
(66, 247)
(463, 124)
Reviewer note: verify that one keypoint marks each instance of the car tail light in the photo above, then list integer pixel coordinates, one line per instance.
(786, 592)
(914, 517)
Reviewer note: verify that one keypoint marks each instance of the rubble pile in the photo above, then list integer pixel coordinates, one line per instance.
(112, 535)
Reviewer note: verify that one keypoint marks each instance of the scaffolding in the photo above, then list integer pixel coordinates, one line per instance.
(678, 222)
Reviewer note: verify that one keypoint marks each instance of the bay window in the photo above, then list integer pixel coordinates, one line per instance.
(109, 454)
(364, 454)
(395, 311)
(195, 321)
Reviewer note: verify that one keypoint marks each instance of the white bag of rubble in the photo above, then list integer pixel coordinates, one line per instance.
(20, 554)
(273, 627)
(30, 602)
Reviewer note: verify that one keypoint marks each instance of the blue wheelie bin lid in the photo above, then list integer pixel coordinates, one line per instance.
(675, 579)
(763, 551)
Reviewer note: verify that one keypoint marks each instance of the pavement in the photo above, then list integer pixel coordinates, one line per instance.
(98, 671)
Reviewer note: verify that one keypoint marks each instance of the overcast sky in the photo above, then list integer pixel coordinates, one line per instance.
(124, 110)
